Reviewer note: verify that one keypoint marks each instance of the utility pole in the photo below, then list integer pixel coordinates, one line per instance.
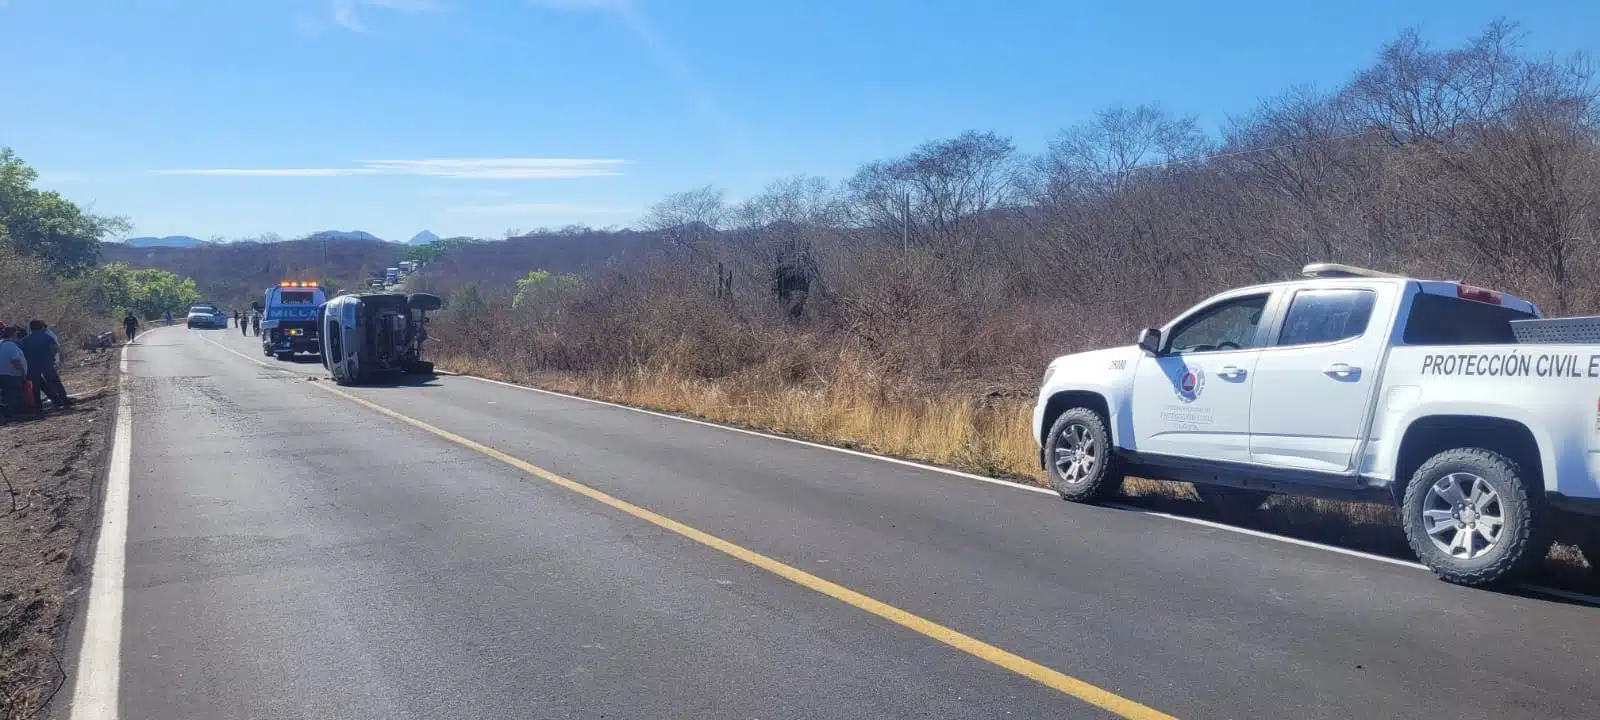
(905, 223)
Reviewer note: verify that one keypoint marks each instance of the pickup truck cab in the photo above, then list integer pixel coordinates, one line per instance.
(1358, 385)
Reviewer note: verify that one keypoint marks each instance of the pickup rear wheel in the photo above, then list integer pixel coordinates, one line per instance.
(1471, 518)
(1079, 457)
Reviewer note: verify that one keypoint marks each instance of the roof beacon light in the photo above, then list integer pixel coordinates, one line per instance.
(1335, 270)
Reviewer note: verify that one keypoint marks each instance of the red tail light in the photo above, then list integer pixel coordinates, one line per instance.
(1478, 294)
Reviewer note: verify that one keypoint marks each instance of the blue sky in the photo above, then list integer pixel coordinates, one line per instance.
(239, 117)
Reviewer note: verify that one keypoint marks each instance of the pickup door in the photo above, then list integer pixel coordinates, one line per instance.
(1193, 400)
(1315, 378)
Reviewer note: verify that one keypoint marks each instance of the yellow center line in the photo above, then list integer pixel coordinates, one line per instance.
(1054, 679)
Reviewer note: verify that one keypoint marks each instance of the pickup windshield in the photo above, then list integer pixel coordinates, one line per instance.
(1444, 320)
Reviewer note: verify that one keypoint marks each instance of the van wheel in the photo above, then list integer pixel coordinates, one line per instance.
(1231, 502)
(1079, 457)
(1470, 518)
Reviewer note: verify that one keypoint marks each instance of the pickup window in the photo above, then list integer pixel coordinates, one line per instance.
(1228, 325)
(1325, 316)
(1443, 320)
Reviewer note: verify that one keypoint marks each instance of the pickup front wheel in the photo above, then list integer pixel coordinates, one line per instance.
(1079, 457)
(1471, 518)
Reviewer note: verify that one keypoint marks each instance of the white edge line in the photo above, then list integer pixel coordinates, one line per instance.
(797, 441)
(94, 692)
(1554, 592)
(1271, 536)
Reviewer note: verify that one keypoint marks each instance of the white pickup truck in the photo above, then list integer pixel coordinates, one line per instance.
(1480, 419)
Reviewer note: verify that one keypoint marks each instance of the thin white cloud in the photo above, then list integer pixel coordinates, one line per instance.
(269, 172)
(543, 209)
(501, 168)
(346, 13)
(456, 168)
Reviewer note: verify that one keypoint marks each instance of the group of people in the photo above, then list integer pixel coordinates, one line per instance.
(30, 355)
(249, 322)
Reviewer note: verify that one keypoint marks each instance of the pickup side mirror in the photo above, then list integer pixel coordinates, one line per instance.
(1150, 341)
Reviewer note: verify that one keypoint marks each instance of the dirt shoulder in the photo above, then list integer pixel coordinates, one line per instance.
(54, 465)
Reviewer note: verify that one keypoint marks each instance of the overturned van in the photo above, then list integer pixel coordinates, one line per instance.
(366, 336)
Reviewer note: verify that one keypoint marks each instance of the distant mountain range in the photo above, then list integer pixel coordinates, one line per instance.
(342, 235)
(183, 241)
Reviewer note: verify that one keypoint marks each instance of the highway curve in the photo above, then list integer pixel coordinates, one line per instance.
(458, 548)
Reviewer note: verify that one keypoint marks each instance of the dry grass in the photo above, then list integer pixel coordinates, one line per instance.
(979, 435)
(991, 438)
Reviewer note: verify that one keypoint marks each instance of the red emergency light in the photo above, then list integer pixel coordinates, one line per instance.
(297, 284)
(1483, 295)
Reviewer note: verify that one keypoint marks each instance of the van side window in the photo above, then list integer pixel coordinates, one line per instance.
(1228, 325)
(1324, 316)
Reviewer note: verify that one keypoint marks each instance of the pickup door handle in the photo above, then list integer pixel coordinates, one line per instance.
(1342, 370)
(1230, 372)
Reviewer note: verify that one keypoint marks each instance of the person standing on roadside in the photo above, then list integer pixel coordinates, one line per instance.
(39, 350)
(255, 323)
(169, 317)
(13, 371)
(130, 324)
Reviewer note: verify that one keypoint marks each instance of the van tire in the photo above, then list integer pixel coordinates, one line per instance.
(1103, 477)
(1525, 534)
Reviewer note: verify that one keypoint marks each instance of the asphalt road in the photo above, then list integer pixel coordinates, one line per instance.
(293, 553)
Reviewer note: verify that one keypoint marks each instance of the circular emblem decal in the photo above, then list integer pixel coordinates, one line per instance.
(1191, 384)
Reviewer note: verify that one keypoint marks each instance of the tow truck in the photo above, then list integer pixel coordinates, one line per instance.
(289, 318)
(1462, 405)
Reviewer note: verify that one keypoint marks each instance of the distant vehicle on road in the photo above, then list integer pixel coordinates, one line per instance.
(289, 319)
(373, 334)
(391, 276)
(207, 316)
(1459, 404)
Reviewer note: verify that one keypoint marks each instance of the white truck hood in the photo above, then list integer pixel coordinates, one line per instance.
(1093, 369)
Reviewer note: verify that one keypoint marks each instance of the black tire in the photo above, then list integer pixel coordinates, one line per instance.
(1231, 502)
(1524, 537)
(419, 367)
(285, 355)
(1103, 478)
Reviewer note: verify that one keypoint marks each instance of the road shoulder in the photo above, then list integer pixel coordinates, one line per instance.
(55, 470)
